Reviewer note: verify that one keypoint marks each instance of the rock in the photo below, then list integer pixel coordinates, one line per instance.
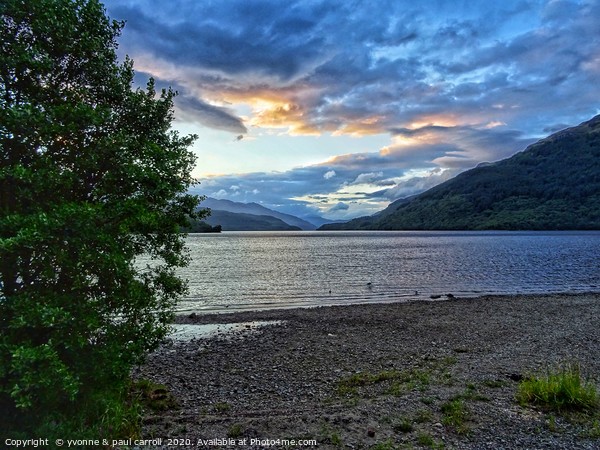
(515, 377)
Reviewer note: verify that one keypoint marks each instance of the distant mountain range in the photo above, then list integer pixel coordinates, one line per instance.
(554, 184)
(230, 222)
(235, 216)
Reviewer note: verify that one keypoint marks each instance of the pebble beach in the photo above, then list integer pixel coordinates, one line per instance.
(376, 376)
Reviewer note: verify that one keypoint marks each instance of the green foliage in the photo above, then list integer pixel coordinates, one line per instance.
(425, 439)
(91, 178)
(153, 395)
(494, 384)
(560, 390)
(386, 445)
(109, 413)
(235, 431)
(328, 435)
(222, 407)
(593, 432)
(455, 414)
(200, 226)
(405, 425)
(349, 384)
(409, 380)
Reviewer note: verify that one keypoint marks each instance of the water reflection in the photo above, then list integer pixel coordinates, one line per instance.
(249, 270)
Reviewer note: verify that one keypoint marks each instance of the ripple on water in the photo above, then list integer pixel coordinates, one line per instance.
(267, 270)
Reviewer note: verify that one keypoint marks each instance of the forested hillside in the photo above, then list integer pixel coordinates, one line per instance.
(553, 185)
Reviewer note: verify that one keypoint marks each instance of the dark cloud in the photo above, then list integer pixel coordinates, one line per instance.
(452, 83)
(395, 61)
(409, 61)
(194, 109)
(341, 206)
(233, 37)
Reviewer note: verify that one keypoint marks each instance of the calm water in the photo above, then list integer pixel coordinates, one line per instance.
(253, 270)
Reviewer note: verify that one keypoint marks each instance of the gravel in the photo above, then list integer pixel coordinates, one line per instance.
(376, 376)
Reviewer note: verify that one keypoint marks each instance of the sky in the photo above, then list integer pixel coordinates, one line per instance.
(336, 108)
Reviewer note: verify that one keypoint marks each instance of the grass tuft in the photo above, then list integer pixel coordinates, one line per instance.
(235, 431)
(455, 414)
(222, 407)
(153, 395)
(562, 390)
(403, 426)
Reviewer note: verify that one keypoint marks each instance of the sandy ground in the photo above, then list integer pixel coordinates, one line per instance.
(377, 376)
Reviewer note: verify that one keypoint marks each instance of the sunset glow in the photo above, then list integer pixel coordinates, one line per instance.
(281, 94)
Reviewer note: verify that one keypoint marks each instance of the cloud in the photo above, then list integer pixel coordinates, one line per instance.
(417, 160)
(194, 109)
(220, 193)
(417, 184)
(350, 70)
(367, 177)
(451, 84)
(341, 206)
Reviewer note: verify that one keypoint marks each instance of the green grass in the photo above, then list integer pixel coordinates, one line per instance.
(425, 440)
(222, 407)
(409, 380)
(235, 431)
(387, 445)
(560, 390)
(593, 431)
(455, 414)
(114, 415)
(471, 393)
(348, 386)
(401, 382)
(403, 426)
(427, 400)
(153, 395)
(330, 435)
(335, 439)
(423, 416)
(494, 384)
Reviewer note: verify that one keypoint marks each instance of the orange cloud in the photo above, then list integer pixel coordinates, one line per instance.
(367, 126)
(273, 108)
(440, 120)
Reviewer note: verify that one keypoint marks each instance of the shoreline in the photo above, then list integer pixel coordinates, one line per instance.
(194, 316)
(293, 379)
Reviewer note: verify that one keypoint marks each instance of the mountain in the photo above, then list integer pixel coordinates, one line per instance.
(318, 220)
(256, 210)
(230, 221)
(200, 226)
(553, 184)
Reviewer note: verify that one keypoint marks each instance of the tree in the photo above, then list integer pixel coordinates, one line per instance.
(92, 183)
